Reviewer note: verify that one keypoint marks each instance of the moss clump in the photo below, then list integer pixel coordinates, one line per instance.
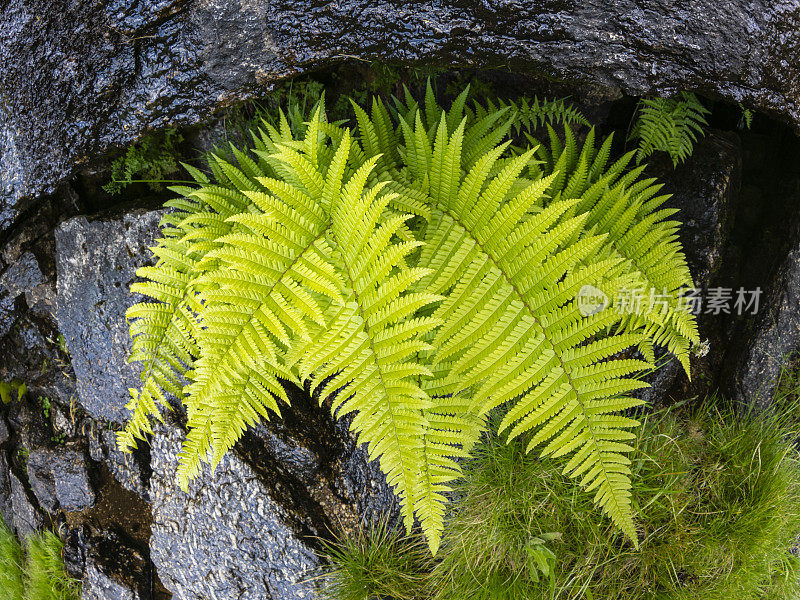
(717, 497)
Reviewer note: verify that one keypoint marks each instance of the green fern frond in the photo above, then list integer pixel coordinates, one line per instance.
(511, 281)
(165, 332)
(628, 210)
(416, 276)
(669, 125)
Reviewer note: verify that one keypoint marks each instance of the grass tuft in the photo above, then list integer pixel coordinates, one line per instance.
(11, 560)
(717, 497)
(376, 563)
(37, 573)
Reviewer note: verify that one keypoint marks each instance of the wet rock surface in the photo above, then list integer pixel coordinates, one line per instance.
(775, 339)
(130, 469)
(704, 190)
(250, 528)
(81, 78)
(25, 516)
(114, 571)
(227, 536)
(96, 263)
(59, 478)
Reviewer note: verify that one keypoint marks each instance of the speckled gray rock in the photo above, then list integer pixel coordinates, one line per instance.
(6, 508)
(130, 469)
(96, 261)
(81, 77)
(226, 538)
(776, 336)
(25, 517)
(59, 479)
(114, 571)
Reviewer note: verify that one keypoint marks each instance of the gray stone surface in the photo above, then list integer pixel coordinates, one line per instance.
(82, 77)
(226, 538)
(25, 517)
(114, 571)
(704, 189)
(6, 507)
(96, 261)
(128, 468)
(59, 479)
(776, 336)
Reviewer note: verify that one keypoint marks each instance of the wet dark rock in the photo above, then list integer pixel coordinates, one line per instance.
(31, 354)
(6, 507)
(22, 276)
(114, 570)
(82, 78)
(361, 485)
(96, 262)
(29, 424)
(59, 479)
(775, 338)
(63, 423)
(130, 469)
(227, 536)
(75, 543)
(25, 517)
(312, 465)
(704, 189)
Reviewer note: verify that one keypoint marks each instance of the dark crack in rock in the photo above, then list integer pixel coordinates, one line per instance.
(226, 538)
(80, 78)
(59, 479)
(130, 469)
(96, 261)
(114, 571)
(704, 189)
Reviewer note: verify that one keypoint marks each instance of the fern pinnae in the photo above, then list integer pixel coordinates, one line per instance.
(254, 304)
(366, 351)
(417, 280)
(557, 394)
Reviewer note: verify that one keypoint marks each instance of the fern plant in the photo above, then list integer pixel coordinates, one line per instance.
(419, 274)
(669, 125)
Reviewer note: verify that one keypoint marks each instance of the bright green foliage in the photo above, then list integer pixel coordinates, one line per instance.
(669, 125)
(38, 572)
(419, 274)
(45, 575)
(12, 585)
(150, 160)
(718, 502)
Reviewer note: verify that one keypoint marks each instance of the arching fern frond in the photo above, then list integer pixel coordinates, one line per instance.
(165, 332)
(627, 209)
(512, 328)
(417, 277)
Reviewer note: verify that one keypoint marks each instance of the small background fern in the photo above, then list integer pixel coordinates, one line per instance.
(669, 125)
